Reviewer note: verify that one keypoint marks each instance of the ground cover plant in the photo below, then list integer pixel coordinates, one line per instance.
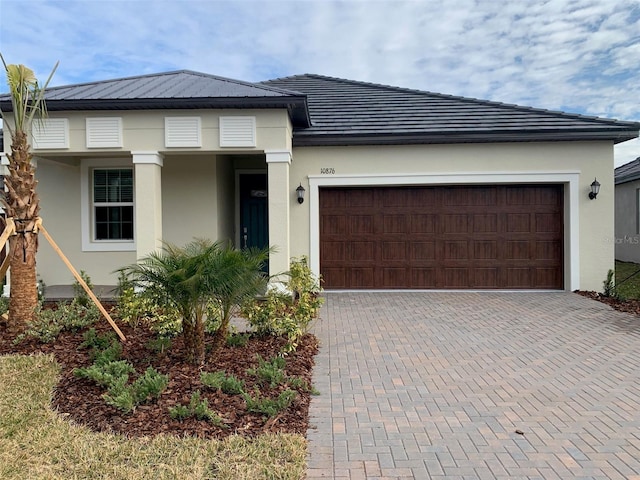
(620, 289)
(252, 392)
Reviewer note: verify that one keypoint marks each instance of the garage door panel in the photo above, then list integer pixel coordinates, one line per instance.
(485, 250)
(485, 277)
(423, 223)
(334, 225)
(547, 222)
(420, 251)
(395, 224)
(423, 278)
(455, 223)
(362, 251)
(508, 236)
(456, 277)
(394, 277)
(361, 224)
(484, 223)
(361, 277)
(333, 251)
(518, 222)
(394, 251)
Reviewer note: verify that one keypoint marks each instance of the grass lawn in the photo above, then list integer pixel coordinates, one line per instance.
(36, 443)
(630, 288)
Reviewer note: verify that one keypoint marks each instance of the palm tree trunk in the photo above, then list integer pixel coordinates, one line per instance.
(193, 332)
(23, 204)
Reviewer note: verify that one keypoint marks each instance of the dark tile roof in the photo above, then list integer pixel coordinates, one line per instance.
(628, 172)
(349, 112)
(179, 89)
(334, 111)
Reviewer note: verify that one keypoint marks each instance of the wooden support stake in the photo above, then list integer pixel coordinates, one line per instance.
(79, 278)
(9, 230)
(4, 267)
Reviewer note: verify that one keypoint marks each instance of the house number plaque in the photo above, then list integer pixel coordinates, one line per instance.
(327, 171)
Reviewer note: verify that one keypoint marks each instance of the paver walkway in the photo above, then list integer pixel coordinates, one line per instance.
(435, 385)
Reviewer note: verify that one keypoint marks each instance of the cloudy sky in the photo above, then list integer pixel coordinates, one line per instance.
(580, 56)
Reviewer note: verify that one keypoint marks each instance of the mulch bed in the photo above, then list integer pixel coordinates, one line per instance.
(628, 306)
(80, 399)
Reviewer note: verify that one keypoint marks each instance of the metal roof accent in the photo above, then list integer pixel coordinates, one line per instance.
(627, 172)
(183, 89)
(347, 112)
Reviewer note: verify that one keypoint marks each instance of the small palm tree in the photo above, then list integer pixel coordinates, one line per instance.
(189, 278)
(21, 201)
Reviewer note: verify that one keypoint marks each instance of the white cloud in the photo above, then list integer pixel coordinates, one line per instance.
(574, 55)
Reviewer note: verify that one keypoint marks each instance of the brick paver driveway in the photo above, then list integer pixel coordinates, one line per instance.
(436, 385)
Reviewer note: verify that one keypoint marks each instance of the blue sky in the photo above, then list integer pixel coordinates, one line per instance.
(579, 56)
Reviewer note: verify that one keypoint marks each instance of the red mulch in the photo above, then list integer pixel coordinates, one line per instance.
(81, 398)
(628, 306)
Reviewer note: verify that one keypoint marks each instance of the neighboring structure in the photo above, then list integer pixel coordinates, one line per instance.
(627, 202)
(404, 188)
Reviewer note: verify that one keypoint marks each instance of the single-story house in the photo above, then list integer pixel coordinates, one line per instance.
(627, 202)
(380, 187)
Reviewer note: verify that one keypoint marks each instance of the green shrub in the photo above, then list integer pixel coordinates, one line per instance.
(179, 412)
(144, 308)
(609, 286)
(106, 374)
(159, 344)
(268, 406)
(105, 355)
(270, 372)
(229, 384)
(120, 394)
(48, 323)
(238, 339)
(199, 408)
(95, 341)
(79, 293)
(288, 314)
(301, 384)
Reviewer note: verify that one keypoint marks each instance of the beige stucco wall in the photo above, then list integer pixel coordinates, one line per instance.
(144, 130)
(627, 236)
(198, 187)
(592, 219)
(59, 190)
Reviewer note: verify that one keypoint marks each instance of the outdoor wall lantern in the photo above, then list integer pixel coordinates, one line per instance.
(300, 193)
(595, 189)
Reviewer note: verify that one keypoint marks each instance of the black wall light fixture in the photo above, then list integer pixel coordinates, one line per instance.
(300, 193)
(595, 189)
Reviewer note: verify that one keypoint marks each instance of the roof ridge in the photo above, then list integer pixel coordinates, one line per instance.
(177, 72)
(478, 101)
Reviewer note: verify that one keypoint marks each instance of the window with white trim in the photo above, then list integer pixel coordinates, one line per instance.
(112, 204)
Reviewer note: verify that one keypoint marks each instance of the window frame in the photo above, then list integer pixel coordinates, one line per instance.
(89, 241)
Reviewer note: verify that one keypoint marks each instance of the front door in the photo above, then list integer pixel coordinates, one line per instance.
(254, 220)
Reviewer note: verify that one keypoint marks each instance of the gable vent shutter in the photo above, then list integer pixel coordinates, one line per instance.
(237, 131)
(51, 133)
(104, 132)
(182, 132)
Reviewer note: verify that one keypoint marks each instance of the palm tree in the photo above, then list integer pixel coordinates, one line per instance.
(21, 201)
(189, 278)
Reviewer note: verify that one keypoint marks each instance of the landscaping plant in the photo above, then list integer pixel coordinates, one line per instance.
(287, 313)
(190, 279)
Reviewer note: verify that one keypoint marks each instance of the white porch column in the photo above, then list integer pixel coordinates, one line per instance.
(148, 201)
(279, 202)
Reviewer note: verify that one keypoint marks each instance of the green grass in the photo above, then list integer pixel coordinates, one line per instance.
(36, 443)
(629, 288)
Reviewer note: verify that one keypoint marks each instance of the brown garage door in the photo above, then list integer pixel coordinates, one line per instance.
(495, 236)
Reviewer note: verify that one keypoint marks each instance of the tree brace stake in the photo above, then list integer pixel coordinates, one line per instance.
(39, 226)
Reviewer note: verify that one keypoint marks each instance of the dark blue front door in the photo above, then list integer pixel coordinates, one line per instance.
(254, 219)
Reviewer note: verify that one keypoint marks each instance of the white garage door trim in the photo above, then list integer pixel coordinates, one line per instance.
(569, 178)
